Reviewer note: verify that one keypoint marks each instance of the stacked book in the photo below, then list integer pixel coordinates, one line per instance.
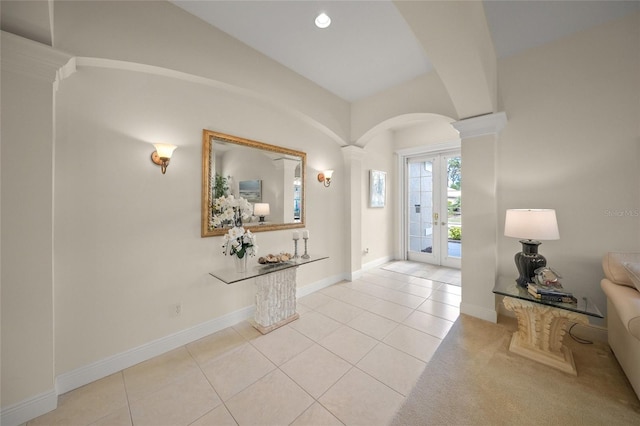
(551, 293)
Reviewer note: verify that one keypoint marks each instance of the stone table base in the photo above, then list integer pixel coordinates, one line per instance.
(541, 329)
(275, 300)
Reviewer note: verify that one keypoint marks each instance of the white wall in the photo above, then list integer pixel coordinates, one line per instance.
(572, 143)
(127, 237)
(378, 224)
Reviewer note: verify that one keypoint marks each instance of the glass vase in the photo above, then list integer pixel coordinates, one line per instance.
(240, 263)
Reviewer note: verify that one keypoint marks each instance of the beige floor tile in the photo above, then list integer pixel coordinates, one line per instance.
(179, 403)
(448, 298)
(316, 369)
(348, 344)
(429, 324)
(303, 309)
(417, 290)
(340, 311)
(219, 416)
(314, 300)
(149, 376)
(450, 288)
(373, 325)
(439, 309)
(121, 417)
(282, 344)
(425, 282)
(413, 342)
(237, 370)
(87, 404)
(210, 347)
(246, 330)
(336, 291)
(392, 367)
(386, 282)
(391, 310)
(317, 415)
(315, 325)
(359, 399)
(359, 299)
(273, 400)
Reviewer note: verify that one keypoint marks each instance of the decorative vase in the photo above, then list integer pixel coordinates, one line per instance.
(241, 263)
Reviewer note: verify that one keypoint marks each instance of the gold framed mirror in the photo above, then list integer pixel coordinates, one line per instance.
(261, 183)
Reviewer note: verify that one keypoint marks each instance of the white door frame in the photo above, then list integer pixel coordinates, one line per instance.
(401, 178)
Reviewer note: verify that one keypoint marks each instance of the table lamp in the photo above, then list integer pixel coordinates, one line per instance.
(261, 210)
(531, 225)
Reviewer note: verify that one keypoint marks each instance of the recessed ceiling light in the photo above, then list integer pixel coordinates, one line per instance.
(323, 20)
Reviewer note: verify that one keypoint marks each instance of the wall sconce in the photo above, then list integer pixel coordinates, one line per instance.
(325, 177)
(261, 210)
(162, 155)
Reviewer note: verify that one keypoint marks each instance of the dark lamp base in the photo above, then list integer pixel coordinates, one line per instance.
(528, 260)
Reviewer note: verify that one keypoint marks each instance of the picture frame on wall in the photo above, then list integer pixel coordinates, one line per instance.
(377, 188)
(251, 190)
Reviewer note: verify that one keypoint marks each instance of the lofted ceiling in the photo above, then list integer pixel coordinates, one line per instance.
(368, 48)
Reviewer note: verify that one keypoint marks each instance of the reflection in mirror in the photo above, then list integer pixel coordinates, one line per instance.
(250, 182)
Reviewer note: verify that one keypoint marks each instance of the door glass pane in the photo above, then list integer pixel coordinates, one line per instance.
(454, 206)
(420, 206)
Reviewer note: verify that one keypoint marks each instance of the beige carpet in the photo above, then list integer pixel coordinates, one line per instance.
(473, 379)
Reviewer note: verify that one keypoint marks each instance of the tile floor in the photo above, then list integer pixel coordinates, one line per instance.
(351, 358)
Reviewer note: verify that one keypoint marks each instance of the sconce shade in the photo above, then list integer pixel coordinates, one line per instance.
(325, 177)
(531, 224)
(162, 155)
(164, 150)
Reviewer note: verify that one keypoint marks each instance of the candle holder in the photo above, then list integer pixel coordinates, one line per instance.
(305, 255)
(295, 249)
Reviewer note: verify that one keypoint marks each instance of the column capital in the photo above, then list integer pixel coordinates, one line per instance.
(489, 124)
(34, 59)
(352, 152)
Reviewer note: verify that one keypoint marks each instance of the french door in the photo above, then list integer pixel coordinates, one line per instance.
(433, 208)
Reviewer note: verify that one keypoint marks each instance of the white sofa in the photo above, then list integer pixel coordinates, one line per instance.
(621, 286)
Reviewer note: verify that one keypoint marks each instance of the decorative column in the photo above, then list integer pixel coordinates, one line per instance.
(30, 75)
(479, 137)
(354, 175)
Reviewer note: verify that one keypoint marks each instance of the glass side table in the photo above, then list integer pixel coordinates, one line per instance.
(276, 291)
(542, 324)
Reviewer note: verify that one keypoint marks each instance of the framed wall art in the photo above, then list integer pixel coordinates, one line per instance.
(377, 188)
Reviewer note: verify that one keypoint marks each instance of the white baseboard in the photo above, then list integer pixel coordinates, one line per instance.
(105, 367)
(319, 285)
(28, 409)
(376, 263)
(479, 312)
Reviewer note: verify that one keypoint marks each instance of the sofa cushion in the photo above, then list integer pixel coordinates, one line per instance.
(633, 269)
(614, 270)
(627, 303)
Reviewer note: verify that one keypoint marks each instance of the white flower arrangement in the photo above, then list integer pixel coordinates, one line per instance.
(228, 210)
(239, 242)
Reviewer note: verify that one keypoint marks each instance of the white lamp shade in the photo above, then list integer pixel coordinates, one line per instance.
(328, 174)
(531, 224)
(164, 150)
(261, 209)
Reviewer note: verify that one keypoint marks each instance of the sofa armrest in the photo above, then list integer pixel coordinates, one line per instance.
(627, 303)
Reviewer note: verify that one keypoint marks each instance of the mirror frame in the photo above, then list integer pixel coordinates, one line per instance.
(207, 137)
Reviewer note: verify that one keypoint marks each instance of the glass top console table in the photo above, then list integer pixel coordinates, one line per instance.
(542, 324)
(276, 290)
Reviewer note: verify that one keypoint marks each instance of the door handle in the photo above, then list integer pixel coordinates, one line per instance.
(435, 217)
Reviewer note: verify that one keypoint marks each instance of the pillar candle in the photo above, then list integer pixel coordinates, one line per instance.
(305, 234)
(296, 235)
